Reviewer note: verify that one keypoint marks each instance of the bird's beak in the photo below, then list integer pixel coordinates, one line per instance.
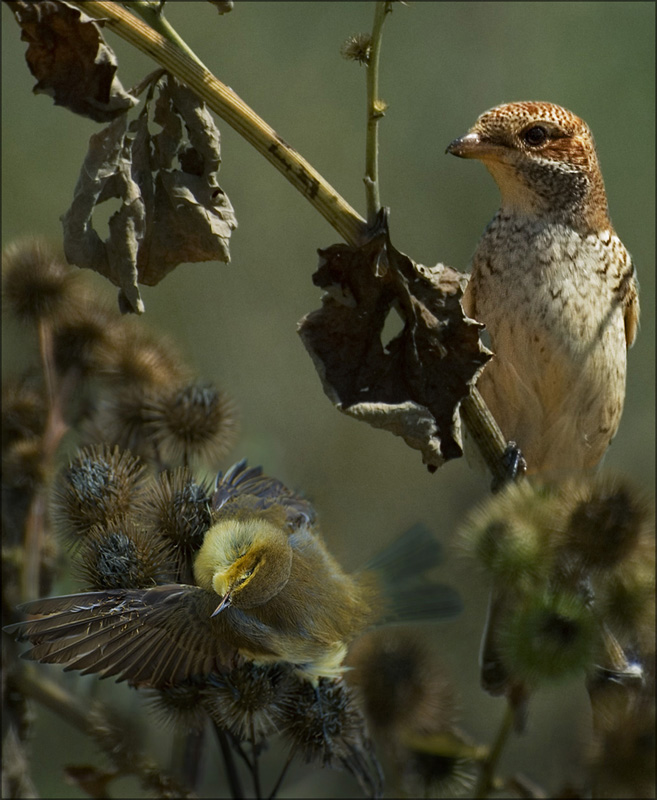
(472, 145)
(225, 603)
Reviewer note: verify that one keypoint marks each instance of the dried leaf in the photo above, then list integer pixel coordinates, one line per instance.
(70, 59)
(414, 385)
(172, 210)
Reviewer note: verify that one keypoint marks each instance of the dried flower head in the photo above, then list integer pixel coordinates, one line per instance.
(120, 420)
(35, 284)
(603, 526)
(23, 464)
(136, 356)
(357, 48)
(623, 750)
(100, 484)
(23, 411)
(121, 555)
(324, 724)
(177, 507)
(626, 596)
(401, 683)
(194, 420)
(248, 700)
(82, 336)
(427, 774)
(512, 533)
(182, 705)
(548, 636)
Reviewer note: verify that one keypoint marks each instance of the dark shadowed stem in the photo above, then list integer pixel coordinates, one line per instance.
(256, 766)
(489, 764)
(54, 430)
(278, 783)
(229, 762)
(192, 753)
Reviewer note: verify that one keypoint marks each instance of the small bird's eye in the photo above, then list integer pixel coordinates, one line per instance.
(535, 135)
(244, 576)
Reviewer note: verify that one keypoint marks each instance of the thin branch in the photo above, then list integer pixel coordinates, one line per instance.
(229, 762)
(489, 765)
(375, 111)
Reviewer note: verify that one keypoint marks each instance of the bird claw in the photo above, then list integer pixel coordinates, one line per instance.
(514, 465)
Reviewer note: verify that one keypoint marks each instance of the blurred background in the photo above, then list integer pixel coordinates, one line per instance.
(442, 65)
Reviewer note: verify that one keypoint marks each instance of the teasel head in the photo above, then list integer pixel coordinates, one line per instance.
(83, 336)
(100, 484)
(512, 534)
(36, 284)
(23, 411)
(401, 683)
(248, 700)
(622, 750)
(139, 358)
(548, 636)
(605, 518)
(120, 554)
(191, 421)
(324, 725)
(181, 706)
(177, 507)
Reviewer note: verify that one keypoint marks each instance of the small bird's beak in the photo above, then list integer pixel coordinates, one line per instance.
(225, 603)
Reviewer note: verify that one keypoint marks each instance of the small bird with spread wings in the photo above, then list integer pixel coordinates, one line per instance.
(267, 590)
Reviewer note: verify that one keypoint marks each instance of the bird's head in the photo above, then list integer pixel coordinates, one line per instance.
(542, 158)
(245, 561)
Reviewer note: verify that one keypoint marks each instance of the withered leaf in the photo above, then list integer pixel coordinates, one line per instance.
(414, 385)
(71, 60)
(172, 210)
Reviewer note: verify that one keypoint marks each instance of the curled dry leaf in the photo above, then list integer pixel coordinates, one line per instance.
(70, 59)
(172, 210)
(412, 386)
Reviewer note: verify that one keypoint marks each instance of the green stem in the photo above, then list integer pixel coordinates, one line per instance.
(153, 14)
(489, 765)
(375, 110)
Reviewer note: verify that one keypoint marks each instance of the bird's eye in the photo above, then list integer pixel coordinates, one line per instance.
(244, 576)
(535, 135)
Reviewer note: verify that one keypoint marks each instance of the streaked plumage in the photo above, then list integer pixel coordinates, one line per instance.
(554, 286)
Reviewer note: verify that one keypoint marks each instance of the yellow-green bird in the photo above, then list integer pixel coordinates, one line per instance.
(266, 589)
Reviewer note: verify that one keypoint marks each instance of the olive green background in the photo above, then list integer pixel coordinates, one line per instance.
(442, 65)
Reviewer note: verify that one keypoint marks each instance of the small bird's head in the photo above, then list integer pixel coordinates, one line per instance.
(543, 160)
(246, 561)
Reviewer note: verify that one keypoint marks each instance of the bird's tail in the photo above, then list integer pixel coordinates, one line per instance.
(409, 595)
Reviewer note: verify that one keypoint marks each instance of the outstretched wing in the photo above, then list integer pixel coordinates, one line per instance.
(150, 637)
(250, 486)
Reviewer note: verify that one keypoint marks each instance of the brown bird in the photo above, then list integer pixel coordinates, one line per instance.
(267, 589)
(557, 292)
(554, 286)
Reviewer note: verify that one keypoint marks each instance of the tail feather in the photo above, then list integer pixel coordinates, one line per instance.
(409, 595)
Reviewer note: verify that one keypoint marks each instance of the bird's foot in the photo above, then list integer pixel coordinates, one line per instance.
(514, 465)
